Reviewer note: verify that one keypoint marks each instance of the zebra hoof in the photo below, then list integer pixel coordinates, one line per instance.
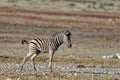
(50, 71)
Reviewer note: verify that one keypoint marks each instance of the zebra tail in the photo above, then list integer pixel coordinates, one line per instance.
(24, 41)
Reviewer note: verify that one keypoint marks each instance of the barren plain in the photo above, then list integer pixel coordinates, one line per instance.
(95, 33)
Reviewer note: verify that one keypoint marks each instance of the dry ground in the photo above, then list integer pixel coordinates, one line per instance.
(94, 33)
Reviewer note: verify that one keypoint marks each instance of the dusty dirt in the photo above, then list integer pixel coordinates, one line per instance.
(106, 18)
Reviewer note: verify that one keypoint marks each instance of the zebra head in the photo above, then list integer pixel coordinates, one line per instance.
(67, 39)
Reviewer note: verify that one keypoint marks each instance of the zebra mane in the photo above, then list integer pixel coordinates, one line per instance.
(66, 32)
(57, 33)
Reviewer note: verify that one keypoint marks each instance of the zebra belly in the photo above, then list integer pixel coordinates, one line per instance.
(44, 49)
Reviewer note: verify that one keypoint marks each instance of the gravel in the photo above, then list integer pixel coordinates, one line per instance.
(70, 69)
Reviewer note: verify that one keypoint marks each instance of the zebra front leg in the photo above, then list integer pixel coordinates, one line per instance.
(51, 53)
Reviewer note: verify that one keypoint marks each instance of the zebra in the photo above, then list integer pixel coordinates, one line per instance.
(50, 45)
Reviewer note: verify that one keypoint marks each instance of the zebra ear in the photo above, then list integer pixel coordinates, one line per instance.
(67, 33)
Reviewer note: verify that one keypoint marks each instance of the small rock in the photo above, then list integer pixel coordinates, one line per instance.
(9, 79)
(75, 74)
(18, 79)
(44, 73)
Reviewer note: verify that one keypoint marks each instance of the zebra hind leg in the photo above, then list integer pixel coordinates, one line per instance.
(24, 60)
(33, 59)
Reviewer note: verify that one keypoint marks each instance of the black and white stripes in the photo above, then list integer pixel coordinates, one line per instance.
(47, 45)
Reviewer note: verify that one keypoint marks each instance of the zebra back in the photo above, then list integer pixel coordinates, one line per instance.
(53, 42)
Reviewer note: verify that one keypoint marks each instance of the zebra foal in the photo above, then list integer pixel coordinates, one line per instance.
(50, 45)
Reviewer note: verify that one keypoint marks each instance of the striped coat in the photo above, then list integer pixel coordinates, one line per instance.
(50, 45)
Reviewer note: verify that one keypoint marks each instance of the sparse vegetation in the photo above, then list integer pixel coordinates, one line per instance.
(12, 1)
(77, 5)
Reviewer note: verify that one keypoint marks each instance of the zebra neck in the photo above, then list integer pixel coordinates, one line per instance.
(58, 41)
